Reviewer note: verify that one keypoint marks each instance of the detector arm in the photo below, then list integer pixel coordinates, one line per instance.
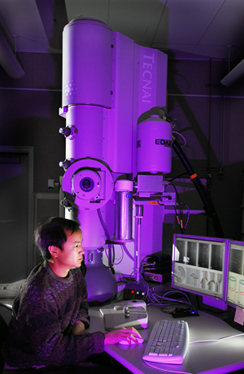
(207, 203)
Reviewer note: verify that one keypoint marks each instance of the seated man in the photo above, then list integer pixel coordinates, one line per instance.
(47, 329)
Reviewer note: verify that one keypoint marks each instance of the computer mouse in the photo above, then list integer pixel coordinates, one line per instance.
(126, 342)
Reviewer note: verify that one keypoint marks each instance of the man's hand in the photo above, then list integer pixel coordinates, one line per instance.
(116, 336)
(78, 328)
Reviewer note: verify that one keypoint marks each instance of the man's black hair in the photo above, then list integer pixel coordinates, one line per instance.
(52, 231)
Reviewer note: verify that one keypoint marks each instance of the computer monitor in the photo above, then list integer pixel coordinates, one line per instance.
(199, 266)
(235, 289)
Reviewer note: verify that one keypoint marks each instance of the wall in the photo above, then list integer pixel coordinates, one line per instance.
(210, 117)
(29, 114)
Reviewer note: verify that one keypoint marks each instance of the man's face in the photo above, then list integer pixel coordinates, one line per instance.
(71, 255)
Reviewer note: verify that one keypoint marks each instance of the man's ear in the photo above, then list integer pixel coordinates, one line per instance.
(53, 250)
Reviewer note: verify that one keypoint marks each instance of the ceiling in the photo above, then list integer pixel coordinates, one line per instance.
(207, 28)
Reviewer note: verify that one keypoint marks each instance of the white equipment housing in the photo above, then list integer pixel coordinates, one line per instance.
(110, 84)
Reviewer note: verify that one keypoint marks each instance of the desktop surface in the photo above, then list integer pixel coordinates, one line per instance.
(201, 358)
(211, 357)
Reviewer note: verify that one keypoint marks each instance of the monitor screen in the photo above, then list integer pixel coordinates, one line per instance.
(235, 289)
(199, 266)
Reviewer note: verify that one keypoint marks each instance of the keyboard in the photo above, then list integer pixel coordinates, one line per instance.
(168, 342)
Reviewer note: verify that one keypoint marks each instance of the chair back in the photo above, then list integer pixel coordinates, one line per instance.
(3, 332)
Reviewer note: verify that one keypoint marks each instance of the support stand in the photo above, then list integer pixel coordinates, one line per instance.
(139, 216)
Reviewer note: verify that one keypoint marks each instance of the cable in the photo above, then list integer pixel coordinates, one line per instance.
(164, 370)
(177, 177)
(179, 217)
(152, 298)
(110, 259)
(208, 205)
(217, 340)
(180, 222)
(121, 258)
(127, 252)
(184, 139)
(188, 216)
(179, 301)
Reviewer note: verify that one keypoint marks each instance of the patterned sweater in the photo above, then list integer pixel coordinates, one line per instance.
(43, 315)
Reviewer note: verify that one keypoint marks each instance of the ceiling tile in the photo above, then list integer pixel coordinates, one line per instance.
(201, 27)
(137, 19)
(24, 23)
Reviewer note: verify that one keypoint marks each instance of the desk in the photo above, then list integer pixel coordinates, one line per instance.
(214, 358)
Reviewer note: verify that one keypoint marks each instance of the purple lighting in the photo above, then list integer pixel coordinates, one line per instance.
(108, 82)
